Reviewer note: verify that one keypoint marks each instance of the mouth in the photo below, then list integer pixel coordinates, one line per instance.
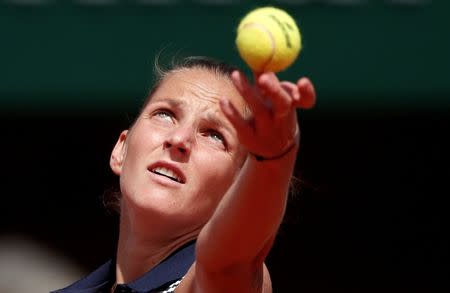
(168, 171)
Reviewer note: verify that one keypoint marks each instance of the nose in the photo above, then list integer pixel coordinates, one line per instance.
(180, 141)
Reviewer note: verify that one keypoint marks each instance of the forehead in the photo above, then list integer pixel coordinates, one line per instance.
(199, 86)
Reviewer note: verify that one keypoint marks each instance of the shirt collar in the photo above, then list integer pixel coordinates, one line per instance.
(172, 268)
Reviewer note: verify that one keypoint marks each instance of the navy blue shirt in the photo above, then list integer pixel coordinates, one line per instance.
(158, 279)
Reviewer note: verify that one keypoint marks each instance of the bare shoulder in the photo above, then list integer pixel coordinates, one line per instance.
(236, 279)
(267, 281)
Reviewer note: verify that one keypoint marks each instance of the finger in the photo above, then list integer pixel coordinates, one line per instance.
(248, 93)
(243, 127)
(307, 94)
(292, 89)
(281, 100)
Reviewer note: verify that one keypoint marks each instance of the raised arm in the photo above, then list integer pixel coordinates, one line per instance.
(231, 248)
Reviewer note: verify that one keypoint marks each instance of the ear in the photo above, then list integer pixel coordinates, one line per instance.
(118, 154)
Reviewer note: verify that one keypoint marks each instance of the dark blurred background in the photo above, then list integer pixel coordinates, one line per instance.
(371, 214)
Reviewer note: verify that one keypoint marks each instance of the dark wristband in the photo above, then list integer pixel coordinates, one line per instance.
(262, 158)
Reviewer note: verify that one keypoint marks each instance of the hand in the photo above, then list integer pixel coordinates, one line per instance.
(273, 127)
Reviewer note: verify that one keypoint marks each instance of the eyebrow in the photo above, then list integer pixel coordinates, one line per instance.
(173, 101)
(177, 102)
(213, 119)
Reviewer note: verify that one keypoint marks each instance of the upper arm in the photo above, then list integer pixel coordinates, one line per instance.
(237, 279)
(248, 277)
(232, 246)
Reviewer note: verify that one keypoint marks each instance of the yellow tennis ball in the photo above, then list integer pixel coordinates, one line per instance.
(268, 39)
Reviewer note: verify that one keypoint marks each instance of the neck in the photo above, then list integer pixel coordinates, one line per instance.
(139, 250)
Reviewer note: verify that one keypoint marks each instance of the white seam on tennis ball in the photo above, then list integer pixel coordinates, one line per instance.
(272, 40)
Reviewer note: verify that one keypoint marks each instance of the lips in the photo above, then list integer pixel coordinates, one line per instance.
(168, 170)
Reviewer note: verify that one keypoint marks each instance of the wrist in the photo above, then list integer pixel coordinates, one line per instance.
(289, 149)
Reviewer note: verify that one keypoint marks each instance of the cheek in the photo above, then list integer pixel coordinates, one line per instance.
(140, 146)
(143, 143)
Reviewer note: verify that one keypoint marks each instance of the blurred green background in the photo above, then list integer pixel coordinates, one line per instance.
(97, 55)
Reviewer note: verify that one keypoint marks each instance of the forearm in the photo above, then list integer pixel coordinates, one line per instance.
(249, 214)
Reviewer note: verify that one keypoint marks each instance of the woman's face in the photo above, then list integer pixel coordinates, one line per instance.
(182, 153)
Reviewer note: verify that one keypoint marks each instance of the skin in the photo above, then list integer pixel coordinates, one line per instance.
(194, 125)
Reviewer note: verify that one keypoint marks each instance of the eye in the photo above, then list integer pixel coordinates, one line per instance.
(216, 136)
(164, 114)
